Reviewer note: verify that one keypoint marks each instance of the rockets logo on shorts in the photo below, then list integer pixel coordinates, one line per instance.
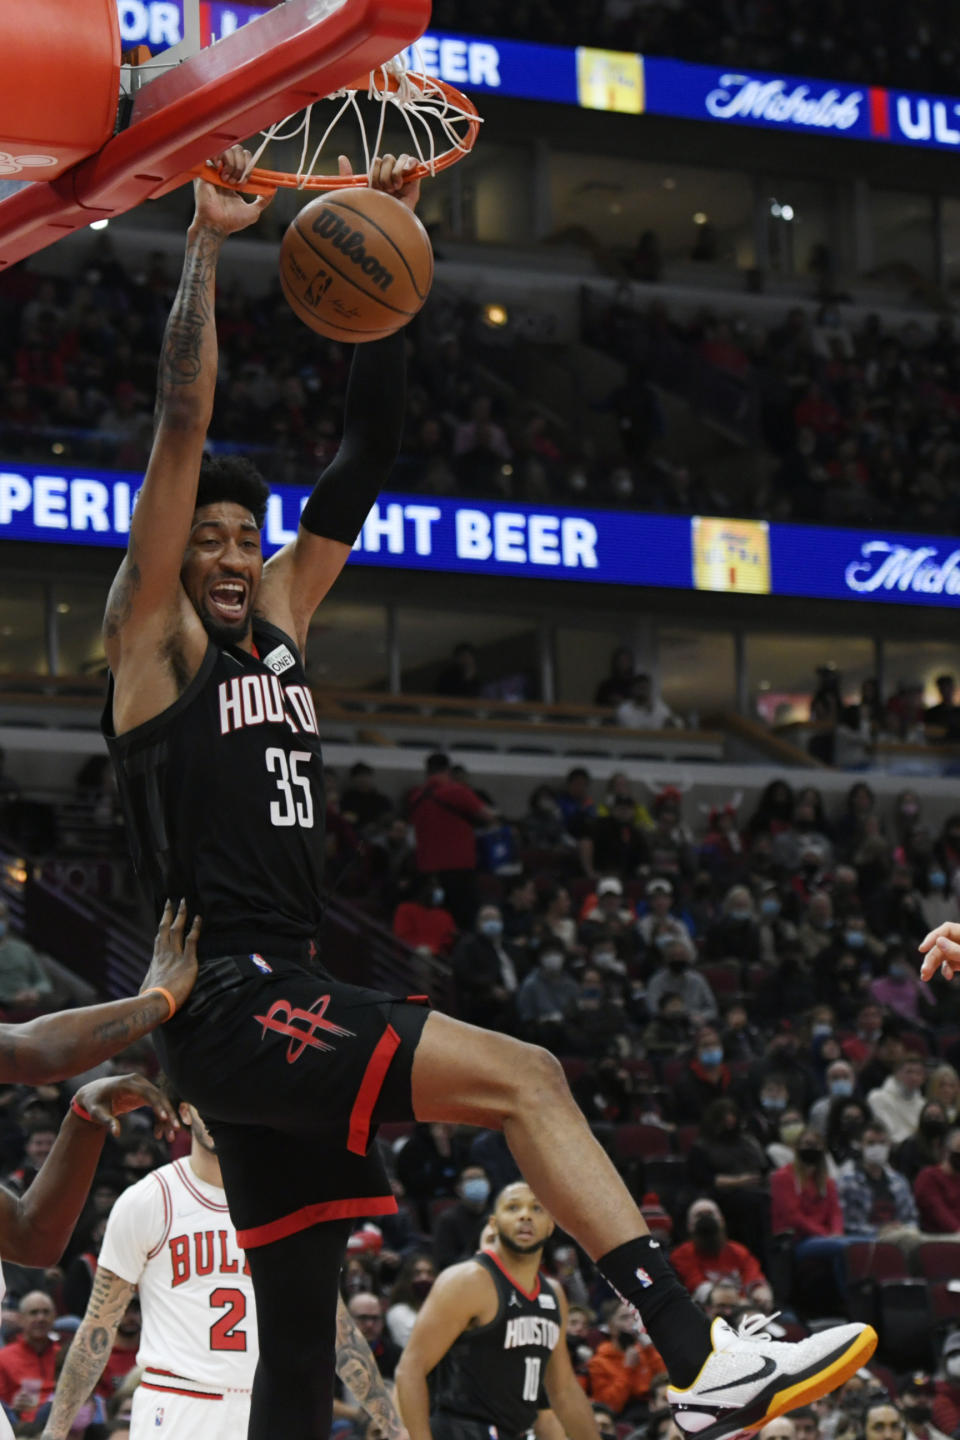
(262, 965)
(281, 1015)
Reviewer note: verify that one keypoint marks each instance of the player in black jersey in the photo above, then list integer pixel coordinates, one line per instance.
(492, 1332)
(215, 739)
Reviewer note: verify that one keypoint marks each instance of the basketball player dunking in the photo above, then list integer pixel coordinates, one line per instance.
(215, 739)
(496, 1328)
(170, 1239)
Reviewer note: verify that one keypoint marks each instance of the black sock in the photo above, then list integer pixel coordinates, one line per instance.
(642, 1275)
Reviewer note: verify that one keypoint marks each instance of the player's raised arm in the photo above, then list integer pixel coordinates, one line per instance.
(358, 1370)
(567, 1398)
(89, 1351)
(296, 580)
(35, 1227)
(53, 1047)
(147, 584)
(457, 1297)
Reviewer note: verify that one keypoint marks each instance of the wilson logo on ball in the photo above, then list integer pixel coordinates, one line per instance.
(329, 226)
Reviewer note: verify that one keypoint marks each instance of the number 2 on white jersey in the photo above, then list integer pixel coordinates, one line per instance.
(531, 1377)
(224, 1334)
(290, 809)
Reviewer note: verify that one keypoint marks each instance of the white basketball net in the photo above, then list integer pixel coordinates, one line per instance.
(425, 106)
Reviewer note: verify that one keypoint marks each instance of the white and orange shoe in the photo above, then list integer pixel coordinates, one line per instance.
(749, 1378)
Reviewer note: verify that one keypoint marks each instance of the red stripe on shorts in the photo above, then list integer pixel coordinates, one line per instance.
(316, 1215)
(369, 1092)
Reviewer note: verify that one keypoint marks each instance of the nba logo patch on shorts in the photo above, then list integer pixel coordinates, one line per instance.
(262, 965)
(158, 1415)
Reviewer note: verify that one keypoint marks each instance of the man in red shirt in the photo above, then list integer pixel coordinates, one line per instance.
(27, 1364)
(444, 814)
(708, 1256)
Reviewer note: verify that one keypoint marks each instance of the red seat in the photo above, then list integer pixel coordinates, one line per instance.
(875, 1260)
(640, 1142)
(915, 1043)
(436, 1208)
(722, 977)
(684, 1137)
(640, 1069)
(945, 1301)
(673, 1070)
(938, 1260)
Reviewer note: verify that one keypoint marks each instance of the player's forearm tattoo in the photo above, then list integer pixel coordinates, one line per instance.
(181, 355)
(358, 1371)
(89, 1352)
(124, 1029)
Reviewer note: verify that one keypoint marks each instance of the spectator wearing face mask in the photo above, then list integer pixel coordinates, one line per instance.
(946, 1404)
(776, 932)
(899, 1100)
(937, 1190)
(670, 1031)
(900, 989)
(925, 1146)
(782, 1150)
(815, 932)
(741, 1040)
(594, 1021)
(423, 922)
(735, 935)
(620, 1370)
(709, 1255)
(706, 1078)
(804, 1201)
(457, 1231)
(605, 1092)
(545, 997)
(676, 976)
(877, 1201)
(484, 975)
(841, 1085)
(411, 1288)
(772, 1101)
(845, 1126)
(729, 1163)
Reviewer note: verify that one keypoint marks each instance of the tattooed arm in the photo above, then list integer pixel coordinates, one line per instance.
(89, 1352)
(146, 591)
(52, 1047)
(358, 1371)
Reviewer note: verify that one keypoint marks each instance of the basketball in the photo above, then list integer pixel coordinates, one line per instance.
(356, 265)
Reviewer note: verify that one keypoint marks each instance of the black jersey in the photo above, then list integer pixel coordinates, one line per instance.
(494, 1373)
(223, 797)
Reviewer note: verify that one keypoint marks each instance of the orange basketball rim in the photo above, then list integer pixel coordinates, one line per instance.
(430, 106)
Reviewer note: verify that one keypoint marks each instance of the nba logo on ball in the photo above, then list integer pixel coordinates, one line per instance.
(262, 965)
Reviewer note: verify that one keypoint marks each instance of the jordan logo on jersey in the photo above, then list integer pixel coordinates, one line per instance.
(281, 1015)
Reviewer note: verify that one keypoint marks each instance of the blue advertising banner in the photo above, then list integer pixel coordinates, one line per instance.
(476, 537)
(621, 81)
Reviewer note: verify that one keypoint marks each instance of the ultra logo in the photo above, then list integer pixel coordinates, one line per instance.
(330, 226)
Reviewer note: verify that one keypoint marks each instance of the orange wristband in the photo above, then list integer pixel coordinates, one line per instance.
(78, 1109)
(160, 990)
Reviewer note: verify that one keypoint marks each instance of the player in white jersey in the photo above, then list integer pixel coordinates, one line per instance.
(170, 1236)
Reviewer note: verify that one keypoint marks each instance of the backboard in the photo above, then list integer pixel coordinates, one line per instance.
(186, 103)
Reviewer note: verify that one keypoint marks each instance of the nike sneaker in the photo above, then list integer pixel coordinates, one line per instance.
(749, 1378)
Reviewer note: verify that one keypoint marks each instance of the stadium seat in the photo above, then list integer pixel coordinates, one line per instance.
(638, 1142)
(906, 1324)
(937, 1260)
(945, 1302)
(437, 1207)
(666, 1174)
(875, 1260)
(574, 1066)
(723, 977)
(684, 1137)
(672, 1071)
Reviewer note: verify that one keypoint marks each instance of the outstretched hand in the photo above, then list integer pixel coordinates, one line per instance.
(105, 1100)
(226, 210)
(941, 951)
(174, 962)
(392, 174)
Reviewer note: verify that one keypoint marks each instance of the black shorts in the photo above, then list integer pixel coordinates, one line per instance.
(292, 1071)
(444, 1425)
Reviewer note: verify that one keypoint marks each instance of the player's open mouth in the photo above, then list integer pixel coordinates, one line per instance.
(228, 598)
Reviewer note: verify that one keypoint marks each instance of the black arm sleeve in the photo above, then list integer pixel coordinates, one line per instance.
(372, 429)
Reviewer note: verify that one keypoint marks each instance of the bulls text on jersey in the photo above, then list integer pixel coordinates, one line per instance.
(205, 1252)
(260, 699)
(531, 1330)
